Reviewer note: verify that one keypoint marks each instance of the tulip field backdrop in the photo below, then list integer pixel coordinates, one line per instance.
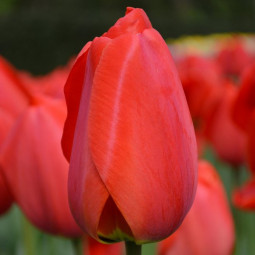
(38, 46)
(19, 237)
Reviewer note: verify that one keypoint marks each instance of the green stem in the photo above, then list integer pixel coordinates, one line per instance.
(29, 238)
(133, 249)
(77, 246)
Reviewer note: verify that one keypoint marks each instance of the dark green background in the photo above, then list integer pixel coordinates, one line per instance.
(38, 35)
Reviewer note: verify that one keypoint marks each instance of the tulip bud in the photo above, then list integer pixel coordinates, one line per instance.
(244, 197)
(233, 57)
(226, 138)
(14, 96)
(244, 112)
(209, 227)
(129, 136)
(245, 102)
(12, 102)
(35, 169)
(201, 79)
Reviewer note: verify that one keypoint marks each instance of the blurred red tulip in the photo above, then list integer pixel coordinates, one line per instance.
(93, 247)
(208, 228)
(6, 199)
(245, 102)
(51, 84)
(133, 152)
(232, 57)
(244, 197)
(225, 137)
(14, 96)
(201, 82)
(251, 144)
(35, 169)
(244, 116)
(13, 99)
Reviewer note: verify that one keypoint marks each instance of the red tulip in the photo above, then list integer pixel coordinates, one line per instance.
(92, 247)
(6, 198)
(208, 228)
(244, 197)
(244, 116)
(251, 144)
(245, 103)
(13, 99)
(223, 134)
(201, 79)
(129, 133)
(233, 57)
(14, 96)
(51, 84)
(244, 112)
(35, 169)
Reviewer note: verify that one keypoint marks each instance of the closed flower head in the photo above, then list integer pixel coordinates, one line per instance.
(128, 136)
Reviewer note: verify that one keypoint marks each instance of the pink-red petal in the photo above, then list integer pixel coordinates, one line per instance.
(141, 137)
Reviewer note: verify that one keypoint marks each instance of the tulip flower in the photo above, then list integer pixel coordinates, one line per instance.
(51, 84)
(244, 112)
(6, 198)
(128, 136)
(233, 57)
(251, 144)
(13, 99)
(35, 169)
(14, 96)
(244, 116)
(245, 102)
(244, 197)
(225, 137)
(201, 79)
(31, 161)
(92, 247)
(208, 228)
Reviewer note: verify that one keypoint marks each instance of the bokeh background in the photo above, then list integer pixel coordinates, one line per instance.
(38, 35)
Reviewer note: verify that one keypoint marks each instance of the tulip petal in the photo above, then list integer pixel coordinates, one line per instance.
(36, 170)
(251, 143)
(112, 226)
(244, 198)
(139, 123)
(245, 102)
(95, 248)
(73, 91)
(208, 228)
(75, 83)
(135, 21)
(226, 138)
(87, 192)
(13, 95)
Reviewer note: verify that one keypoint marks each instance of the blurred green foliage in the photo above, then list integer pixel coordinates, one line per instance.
(38, 35)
